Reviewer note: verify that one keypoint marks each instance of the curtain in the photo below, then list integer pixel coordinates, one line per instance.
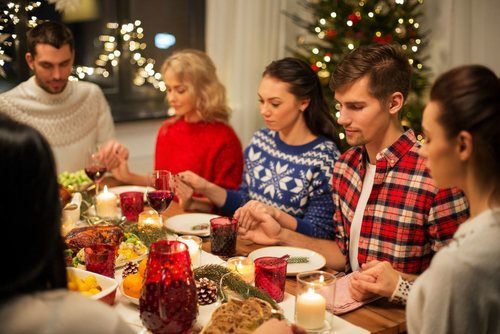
(462, 32)
(242, 37)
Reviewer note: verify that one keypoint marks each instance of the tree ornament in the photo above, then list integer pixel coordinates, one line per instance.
(354, 17)
(206, 290)
(400, 31)
(331, 33)
(382, 8)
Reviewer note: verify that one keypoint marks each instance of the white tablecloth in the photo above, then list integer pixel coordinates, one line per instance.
(130, 312)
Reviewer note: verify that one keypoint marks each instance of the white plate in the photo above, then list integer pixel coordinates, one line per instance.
(122, 189)
(131, 299)
(316, 261)
(184, 223)
(108, 285)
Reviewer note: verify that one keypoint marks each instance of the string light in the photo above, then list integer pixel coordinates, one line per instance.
(131, 34)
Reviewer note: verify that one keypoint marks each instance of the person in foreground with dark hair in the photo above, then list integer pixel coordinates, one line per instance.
(288, 165)
(73, 116)
(33, 287)
(387, 207)
(460, 291)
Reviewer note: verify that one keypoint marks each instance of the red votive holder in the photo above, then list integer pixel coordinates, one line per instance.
(270, 276)
(223, 231)
(132, 203)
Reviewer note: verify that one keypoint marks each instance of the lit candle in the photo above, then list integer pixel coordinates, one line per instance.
(149, 221)
(106, 204)
(242, 266)
(310, 310)
(194, 247)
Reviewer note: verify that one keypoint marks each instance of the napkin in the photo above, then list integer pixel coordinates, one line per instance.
(343, 300)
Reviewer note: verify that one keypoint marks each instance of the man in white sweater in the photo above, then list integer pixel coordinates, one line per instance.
(74, 116)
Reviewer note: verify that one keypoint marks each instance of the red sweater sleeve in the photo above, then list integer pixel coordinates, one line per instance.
(229, 163)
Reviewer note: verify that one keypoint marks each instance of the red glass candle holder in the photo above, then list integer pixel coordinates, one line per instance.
(223, 231)
(100, 259)
(168, 302)
(270, 276)
(132, 203)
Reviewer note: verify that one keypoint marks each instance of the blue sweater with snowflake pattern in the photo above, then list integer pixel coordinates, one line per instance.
(295, 179)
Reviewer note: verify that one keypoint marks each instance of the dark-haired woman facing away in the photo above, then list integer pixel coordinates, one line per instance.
(33, 293)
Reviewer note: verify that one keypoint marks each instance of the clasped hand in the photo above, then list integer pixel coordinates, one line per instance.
(257, 223)
(375, 278)
(112, 153)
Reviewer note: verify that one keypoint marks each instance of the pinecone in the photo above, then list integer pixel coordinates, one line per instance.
(130, 268)
(207, 291)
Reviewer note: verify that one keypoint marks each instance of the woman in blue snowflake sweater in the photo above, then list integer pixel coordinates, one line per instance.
(289, 164)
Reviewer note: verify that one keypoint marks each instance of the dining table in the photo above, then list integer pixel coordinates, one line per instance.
(379, 316)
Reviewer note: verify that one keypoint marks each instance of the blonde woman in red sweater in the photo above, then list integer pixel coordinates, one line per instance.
(199, 134)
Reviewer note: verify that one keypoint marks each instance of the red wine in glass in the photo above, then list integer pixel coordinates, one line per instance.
(95, 173)
(160, 199)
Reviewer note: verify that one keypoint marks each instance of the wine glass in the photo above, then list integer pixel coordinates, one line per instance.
(95, 168)
(160, 192)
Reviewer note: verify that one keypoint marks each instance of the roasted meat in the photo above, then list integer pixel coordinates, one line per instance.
(82, 237)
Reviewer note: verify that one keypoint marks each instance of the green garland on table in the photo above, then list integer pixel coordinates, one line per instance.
(232, 281)
(148, 236)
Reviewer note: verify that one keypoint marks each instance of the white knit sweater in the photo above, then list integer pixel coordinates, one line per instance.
(73, 121)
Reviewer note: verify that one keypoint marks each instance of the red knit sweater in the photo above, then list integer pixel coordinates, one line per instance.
(211, 150)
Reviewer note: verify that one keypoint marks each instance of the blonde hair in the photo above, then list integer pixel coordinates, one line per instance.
(196, 68)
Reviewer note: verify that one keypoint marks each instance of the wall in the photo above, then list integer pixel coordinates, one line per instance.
(140, 138)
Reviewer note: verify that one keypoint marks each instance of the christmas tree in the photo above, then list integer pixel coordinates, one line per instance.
(339, 26)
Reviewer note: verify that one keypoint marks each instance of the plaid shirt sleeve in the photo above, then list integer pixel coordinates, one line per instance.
(449, 209)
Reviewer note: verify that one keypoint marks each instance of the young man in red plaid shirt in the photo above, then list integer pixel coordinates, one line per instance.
(386, 205)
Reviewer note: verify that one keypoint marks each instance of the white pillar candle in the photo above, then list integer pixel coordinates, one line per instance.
(194, 252)
(106, 204)
(310, 310)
